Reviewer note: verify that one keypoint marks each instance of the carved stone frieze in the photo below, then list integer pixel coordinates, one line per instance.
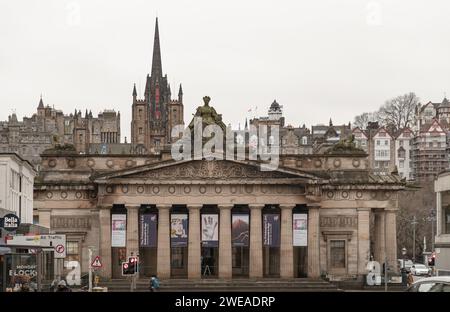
(210, 170)
(338, 221)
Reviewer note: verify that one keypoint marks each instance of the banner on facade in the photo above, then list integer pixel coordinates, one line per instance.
(300, 229)
(210, 230)
(179, 230)
(148, 229)
(271, 233)
(118, 230)
(240, 230)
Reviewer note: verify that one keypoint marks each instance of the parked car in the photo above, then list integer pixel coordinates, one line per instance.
(431, 284)
(405, 264)
(420, 269)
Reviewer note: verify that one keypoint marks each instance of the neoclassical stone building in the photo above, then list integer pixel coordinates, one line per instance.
(312, 216)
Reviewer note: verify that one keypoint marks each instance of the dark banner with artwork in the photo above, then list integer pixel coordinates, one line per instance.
(240, 230)
(271, 233)
(148, 230)
(210, 230)
(179, 230)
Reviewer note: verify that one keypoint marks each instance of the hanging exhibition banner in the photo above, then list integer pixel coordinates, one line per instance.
(300, 229)
(210, 230)
(118, 230)
(179, 230)
(240, 230)
(271, 227)
(148, 229)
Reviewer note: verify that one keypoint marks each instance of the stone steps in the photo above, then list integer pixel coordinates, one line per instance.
(211, 285)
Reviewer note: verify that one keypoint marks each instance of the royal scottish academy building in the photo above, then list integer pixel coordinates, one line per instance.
(313, 215)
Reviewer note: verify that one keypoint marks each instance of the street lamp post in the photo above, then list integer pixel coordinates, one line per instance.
(404, 258)
(414, 222)
(404, 265)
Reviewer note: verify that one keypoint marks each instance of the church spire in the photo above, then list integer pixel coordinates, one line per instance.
(156, 62)
(180, 94)
(134, 91)
(41, 103)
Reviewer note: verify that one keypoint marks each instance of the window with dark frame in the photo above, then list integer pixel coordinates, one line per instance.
(337, 254)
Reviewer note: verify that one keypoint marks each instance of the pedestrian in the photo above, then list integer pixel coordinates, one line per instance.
(25, 288)
(54, 284)
(62, 287)
(154, 283)
(410, 279)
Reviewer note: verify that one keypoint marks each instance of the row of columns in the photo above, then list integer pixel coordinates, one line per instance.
(225, 247)
(386, 238)
(385, 224)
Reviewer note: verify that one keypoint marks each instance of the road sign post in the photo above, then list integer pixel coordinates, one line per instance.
(90, 269)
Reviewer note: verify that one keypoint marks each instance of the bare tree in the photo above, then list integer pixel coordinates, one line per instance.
(398, 113)
(361, 121)
(415, 202)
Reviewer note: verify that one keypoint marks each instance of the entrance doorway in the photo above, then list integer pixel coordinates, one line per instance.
(240, 240)
(179, 220)
(210, 258)
(118, 239)
(118, 256)
(209, 215)
(148, 237)
(300, 241)
(240, 259)
(271, 241)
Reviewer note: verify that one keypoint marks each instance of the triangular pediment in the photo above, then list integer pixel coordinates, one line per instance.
(203, 169)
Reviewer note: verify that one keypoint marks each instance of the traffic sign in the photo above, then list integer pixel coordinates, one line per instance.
(96, 263)
(59, 248)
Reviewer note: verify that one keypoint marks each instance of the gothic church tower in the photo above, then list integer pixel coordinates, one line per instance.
(154, 116)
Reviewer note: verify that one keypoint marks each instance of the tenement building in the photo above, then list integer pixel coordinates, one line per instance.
(312, 215)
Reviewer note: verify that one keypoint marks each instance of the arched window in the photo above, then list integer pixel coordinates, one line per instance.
(304, 140)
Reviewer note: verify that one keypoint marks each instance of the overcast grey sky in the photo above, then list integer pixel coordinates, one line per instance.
(319, 59)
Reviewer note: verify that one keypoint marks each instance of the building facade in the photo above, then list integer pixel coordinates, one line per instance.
(430, 152)
(403, 153)
(361, 139)
(310, 217)
(381, 151)
(442, 238)
(49, 127)
(16, 186)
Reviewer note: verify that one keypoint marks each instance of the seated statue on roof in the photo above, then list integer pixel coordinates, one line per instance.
(209, 116)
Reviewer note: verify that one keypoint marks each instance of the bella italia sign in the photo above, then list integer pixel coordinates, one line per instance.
(10, 222)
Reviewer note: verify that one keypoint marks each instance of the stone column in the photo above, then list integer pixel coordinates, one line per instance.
(163, 254)
(44, 217)
(286, 247)
(313, 242)
(256, 254)
(391, 239)
(105, 241)
(379, 238)
(363, 239)
(225, 264)
(132, 230)
(194, 251)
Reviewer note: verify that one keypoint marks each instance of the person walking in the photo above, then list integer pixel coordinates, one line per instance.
(62, 287)
(154, 283)
(410, 279)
